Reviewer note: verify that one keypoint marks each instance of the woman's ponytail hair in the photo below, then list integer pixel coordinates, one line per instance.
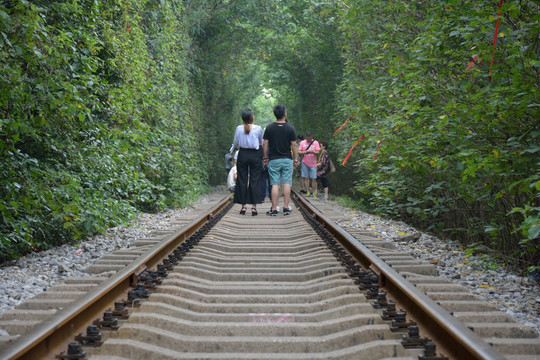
(247, 117)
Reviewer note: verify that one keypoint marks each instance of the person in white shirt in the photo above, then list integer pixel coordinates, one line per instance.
(248, 138)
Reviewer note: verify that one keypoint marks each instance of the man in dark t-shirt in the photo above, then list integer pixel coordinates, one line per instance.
(279, 150)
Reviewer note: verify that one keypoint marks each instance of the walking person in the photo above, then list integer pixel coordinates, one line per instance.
(248, 138)
(309, 149)
(279, 144)
(323, 168)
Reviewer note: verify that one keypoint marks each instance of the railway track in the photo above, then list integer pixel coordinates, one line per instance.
(294, 287)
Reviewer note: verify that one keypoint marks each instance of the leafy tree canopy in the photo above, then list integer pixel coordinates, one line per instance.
(110, 107)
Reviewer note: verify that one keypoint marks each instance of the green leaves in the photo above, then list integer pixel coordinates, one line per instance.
(95, 118)
(459, 144)
(112, 107)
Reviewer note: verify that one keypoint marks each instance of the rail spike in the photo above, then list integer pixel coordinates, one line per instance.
(399, 323)
(430, 353)
(142, 292)
(413, 340)
(390, 312)
(381, 302)
(92, 338)
(162, 270)
(109, 322)
(132, 300)
(120, 311)
(74, 352)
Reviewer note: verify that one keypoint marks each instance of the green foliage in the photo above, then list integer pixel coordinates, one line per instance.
(261, 106)
(251, 49)
(458, 147)
(96, 121)
(349, 202)
(303, 51)
(111, 107)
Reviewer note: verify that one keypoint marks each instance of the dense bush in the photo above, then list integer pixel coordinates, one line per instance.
(459, 150)
(96, 120)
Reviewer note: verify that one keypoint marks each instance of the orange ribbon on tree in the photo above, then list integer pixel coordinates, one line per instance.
(473, 62)
(342, 126)
(351, 149)
(495, 36)
(377, 153)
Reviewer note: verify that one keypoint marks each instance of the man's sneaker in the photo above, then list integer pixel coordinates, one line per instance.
(287, 211)
(271, 212)
(308, 195)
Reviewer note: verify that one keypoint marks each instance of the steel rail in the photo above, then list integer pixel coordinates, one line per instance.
(54, 334)
(458, 341)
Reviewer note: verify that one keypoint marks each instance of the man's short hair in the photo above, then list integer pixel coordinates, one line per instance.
(308, 134)
(279, 111)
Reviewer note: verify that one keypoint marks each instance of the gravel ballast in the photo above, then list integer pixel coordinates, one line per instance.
(34, 273)
(516, 295)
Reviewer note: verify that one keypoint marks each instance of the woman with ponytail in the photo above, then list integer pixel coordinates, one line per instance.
(249, 138)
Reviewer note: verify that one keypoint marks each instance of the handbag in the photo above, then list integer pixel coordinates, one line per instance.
(332, 167)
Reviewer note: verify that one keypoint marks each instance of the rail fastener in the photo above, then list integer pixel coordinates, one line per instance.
(120, 311)
(109, 322)
(92, 338)
(430, 353)
(400, 323)
(413, 340)
(74, 352)
(390, 312)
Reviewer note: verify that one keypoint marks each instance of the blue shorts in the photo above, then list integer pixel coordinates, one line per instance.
(280, 171)
(310, 172)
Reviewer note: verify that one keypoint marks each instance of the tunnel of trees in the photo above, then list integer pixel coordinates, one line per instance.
(112, 107)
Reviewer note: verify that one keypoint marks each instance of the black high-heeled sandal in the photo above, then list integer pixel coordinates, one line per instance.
(254, 212)
(243, 211)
